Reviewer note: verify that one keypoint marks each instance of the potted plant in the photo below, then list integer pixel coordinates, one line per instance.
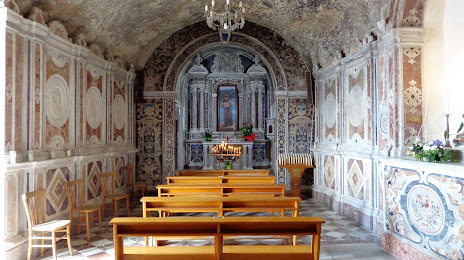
(228, 164)
(208, 135)
(433, 151)
(247, 132)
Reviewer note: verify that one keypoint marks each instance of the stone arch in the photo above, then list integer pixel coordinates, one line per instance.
(238, 40)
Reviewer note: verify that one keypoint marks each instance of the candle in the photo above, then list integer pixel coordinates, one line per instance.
(240, 4)
(212, 3)
(227, 2)
(206, 8)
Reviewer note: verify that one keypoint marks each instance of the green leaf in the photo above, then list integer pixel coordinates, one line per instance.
(460, 127)
(446, 134)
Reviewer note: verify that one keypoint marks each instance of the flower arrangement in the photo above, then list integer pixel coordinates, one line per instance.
(247, 132)
(228, 164)
(208, 135)
(433, 151)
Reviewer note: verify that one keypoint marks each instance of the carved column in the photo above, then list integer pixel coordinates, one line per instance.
(253, 105)
(261, 114)
(202, 107)
(193, 108)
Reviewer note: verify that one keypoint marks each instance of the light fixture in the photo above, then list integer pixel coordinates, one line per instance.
(227, 21)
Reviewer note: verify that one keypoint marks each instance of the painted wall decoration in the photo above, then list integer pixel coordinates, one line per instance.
(149, 140)
(196, 153)
(259, 153)
(426, 209)
(300, 125)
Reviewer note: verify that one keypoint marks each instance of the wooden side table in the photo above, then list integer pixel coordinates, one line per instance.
(296, 170)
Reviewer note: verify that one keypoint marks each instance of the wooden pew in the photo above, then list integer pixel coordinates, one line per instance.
(220, 190)
(253, 172)
(220, 205)
(263, 180)
(218, 228)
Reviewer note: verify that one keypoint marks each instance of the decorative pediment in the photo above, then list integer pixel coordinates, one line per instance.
(227, 61)
(256, 70)
(198, 69)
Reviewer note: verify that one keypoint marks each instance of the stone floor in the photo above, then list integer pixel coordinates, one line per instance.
(341, 238)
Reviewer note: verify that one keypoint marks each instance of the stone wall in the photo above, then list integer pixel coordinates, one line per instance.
(69, 115)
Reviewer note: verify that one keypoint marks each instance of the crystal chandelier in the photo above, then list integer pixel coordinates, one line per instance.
(227, 21)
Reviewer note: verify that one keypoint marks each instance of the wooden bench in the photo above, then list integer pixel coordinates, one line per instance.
(220, 190)
(254, 172)
(218, 228)
(220, 205)
(263, 180)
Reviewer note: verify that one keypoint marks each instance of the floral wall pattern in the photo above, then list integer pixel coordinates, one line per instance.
(149, 140)
(426, 208)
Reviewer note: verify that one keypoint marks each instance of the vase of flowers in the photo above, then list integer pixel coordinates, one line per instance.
(208, 135)
(432, 151)
(228, 164)
(247, 132)
(459, 140)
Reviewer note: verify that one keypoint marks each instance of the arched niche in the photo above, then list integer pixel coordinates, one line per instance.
(205, 76)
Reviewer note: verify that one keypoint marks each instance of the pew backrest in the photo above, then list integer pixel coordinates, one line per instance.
(218, 228)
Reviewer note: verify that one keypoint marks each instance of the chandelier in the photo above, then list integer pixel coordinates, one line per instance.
(227, 21)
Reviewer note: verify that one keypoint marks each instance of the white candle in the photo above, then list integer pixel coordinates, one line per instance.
(212, 3)
(240, 4)
(227, 2)
(206, 8)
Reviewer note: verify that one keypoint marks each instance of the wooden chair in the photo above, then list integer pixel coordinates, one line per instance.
(134, 185)
(75, 193)
(107, 181)
(34, 203)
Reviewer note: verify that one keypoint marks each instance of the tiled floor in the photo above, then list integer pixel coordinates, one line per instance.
(341, 238)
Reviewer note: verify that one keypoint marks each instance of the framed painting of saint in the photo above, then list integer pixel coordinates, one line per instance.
(227, 108)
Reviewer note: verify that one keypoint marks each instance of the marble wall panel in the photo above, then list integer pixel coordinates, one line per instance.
(92, 182)
(329, 110)
(356, 103)
(119, 111)
(94, 107)
(20, 96)
(412, 92)
(13, 202)
(56, 200)
(118, 167)
(58, 101)
(356, 179)
(9, 88)
(37, 97)
(330, 173)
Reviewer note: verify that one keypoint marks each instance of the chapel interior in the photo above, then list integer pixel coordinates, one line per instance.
(346, 87)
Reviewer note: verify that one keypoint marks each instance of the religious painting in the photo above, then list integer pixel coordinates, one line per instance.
(227, 108)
